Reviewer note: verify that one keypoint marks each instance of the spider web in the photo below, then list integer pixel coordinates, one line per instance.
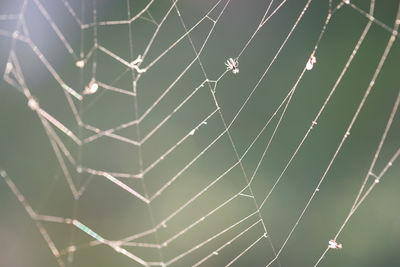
(192, 133)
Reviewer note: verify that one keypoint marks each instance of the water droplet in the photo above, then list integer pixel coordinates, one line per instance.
(33, 104)
(80, 64)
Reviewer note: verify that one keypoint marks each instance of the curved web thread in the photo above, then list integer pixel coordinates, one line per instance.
(137, 68)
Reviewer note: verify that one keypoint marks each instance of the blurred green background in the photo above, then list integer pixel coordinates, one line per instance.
(372, 236)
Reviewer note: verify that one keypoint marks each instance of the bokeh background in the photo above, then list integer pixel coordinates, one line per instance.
(372, 236)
